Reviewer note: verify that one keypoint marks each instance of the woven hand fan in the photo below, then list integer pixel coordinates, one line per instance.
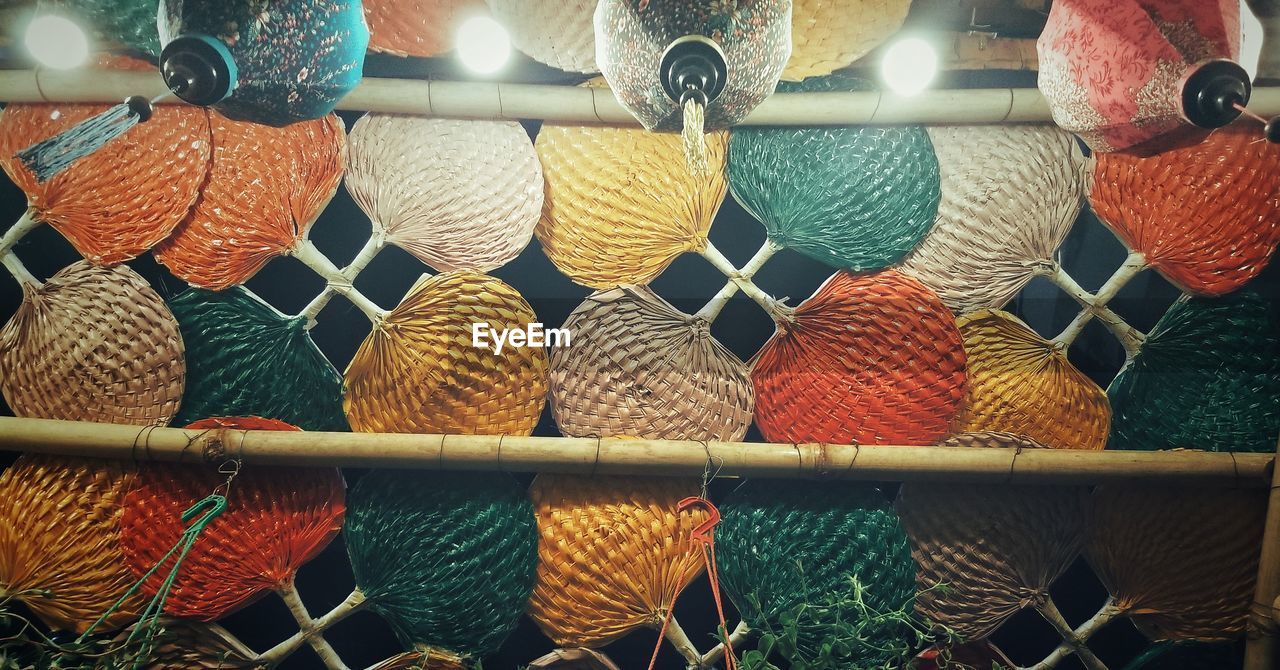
(573, 659)
(1022, 383)
(1207, 377)
(93, 344)
(127, 23)
(559, 33)
(620, 206)
(614, 553)
(428, 659)
(422, 28)
(59, 532)
(828, 35)
(1203, 215)
(794, 548)
(1180, 562)
(447, 558)
(276, 520)
(641, 368)
(987, 552)
(868, 359)
(181, 644)
(972, 656)
(455, 194)
(120, 201)
(1010, 194)
(419, 372)
(266, 187)
(245, 358)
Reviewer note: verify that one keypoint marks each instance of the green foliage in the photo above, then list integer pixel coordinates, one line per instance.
(24, 645)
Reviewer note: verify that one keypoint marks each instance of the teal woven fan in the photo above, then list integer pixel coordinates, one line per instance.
(1207, 377)
(130, 23)
(850, 197)
(244, 358)
(828, 564)
(447, 558)
(1187, 656)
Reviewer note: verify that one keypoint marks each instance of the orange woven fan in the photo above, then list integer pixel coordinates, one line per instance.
(126, 197)
(266, 188)
(424, 659)
(868, 359)
(422, 28)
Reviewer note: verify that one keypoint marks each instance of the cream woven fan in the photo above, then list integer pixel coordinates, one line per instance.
(559, 33)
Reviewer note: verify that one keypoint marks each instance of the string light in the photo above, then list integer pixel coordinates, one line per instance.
(56, 42)
(483, 45)
(909, 66)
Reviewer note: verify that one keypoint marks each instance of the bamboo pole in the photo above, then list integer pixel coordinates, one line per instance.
(1261, 647)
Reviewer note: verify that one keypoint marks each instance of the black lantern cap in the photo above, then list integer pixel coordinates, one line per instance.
(693, 65)
(1211, 93)
(199, 69)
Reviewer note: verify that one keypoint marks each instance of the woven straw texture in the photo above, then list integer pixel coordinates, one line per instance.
(639, 367)
(1182, 562)
(869, 359)
(559, 33)
(93, 344)
(194, 645)
(1203, 215)
(447, 558)
(244, 358)
(429, 659)
(1010, 194)
(276, 520)
(973, 656)
(1022, 383)
(129, 23)
(266, 187)
(455, 194)
(124, 198)
(59, 529)
(613, 554)
(573, 659)
(792, 547)
(1187, 656)
(987, 552)
(619, 204)
(827, 35)
(1207, 377)
(418, 372)
(422, 28)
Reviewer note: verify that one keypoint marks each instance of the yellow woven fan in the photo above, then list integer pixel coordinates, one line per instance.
(827, 35)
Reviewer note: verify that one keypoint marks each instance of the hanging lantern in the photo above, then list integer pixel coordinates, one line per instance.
(59, 525)
(265, 189)
(93, 344)
(868, 359)
(458, 195)
(447, 558)
(559, 33)
(693, 66)
(420, 28)
(1010, 195)
(182, 644)
(829, 35)
(639, 367)
(1207, 377)
(1203, 215)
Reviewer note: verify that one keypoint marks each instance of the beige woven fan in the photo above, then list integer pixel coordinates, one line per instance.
(573, 659)
(827, 35)
(559, 33)
(427, 658)
(640, 367)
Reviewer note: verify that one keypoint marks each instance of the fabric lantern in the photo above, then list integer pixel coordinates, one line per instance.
(128, 23)
(1207, 377)
(447, 558)
(182, 644)
(617, 211)
(93, 344)
(829, 35)
(455, 194)
(639, 367)
(1010, 195)
(1203, 215)
(421, 28)
(559, 33)
(868, 359)
(693, 66)
(265, 189)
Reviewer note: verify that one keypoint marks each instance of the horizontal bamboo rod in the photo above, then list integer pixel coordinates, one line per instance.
(633, 457)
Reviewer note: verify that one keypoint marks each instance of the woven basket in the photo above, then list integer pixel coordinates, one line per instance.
(265, 189)
(573, 659)
(124, 198)
(59, 530)
(447, 558)
(559, 33)
(455, 194)
(1023, 384)
(1207, 377)
(245, 358)
(639, 367)
(828, 35)
(1181, 562)
(869, 359)
(276, 520)
(613, 554)
(987, 552)
(422, 28)
(194, 645)
(1010, 194)
(619, 205)
(1203, 215)
(418, 371)
(423, 659)
(93, 344)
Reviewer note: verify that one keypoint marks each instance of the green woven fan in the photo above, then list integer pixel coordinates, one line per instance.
(857, 198)
(447, 558)
(823, 571)
(131, 23)
(1207, 377)
(1187, 656)
(244, 358)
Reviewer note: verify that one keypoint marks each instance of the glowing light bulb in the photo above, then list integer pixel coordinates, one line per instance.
(483, 45)
(56, 42)
(909, 66)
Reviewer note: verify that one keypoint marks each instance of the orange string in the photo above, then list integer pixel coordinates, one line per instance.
(662, 633)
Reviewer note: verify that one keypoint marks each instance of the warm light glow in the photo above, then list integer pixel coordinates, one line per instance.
(909, 66)
(56, 42)
(483, 45)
